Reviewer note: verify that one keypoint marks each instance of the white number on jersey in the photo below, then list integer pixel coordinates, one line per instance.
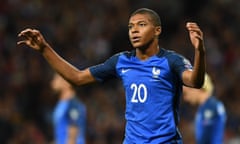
(139, 93)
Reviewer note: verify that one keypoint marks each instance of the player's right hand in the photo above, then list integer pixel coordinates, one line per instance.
(32, 38)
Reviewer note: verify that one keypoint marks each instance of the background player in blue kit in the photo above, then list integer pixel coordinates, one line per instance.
(152, 76)
(211, 115)
(69, 117)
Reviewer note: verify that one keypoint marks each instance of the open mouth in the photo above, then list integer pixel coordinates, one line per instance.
(135, 39)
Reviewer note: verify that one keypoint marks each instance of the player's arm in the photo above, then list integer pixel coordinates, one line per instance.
(195, 78)
(72, 134)
(34, 39)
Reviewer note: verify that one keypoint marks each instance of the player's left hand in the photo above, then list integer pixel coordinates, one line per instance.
(196, 35)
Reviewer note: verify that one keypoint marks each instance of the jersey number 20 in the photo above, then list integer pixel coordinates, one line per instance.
(139, 93)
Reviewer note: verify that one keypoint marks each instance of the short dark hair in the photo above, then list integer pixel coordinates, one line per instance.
(154, 16)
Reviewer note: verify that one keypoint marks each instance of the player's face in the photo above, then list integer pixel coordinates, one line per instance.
(141, 30)
(55, 83)
(191, 95)
(58, 83)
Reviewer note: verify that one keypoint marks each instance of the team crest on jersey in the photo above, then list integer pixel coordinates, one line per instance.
(187, 63)
(74, 114)
(155, 72)
(208, 114)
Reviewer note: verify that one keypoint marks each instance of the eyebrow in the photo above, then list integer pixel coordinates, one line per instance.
(138, 22)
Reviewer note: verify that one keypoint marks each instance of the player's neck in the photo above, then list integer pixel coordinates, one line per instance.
(67, 94)
(203, 98)
(144, 54)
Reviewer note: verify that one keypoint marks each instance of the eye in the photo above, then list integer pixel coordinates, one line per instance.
(142, 24)
(130, 27)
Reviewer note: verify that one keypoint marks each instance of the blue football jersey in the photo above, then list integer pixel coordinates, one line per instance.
(67, 113)
(210, 122)
(152, 88)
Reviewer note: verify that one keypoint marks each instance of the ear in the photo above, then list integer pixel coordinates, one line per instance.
(158, 30)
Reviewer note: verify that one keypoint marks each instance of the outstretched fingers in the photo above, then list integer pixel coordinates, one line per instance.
(21, 42)
(194, 29)
(32, 38)
(25, 33)
(29, 33)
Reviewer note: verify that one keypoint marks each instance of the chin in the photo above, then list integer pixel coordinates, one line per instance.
(142, 45)
(139, 46)
(136, 45)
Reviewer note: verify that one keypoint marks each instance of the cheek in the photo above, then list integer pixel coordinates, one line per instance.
(148, 35)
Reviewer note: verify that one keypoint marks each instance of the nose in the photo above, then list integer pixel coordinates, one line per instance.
(134, 29)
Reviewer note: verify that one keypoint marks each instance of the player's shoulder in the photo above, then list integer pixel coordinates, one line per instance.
(217, 104)
(173, 57)
(214, 100)
(75, 101)
(168, 53)
(126, 54)
(219, 107)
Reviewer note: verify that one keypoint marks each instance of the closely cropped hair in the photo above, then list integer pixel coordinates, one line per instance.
(208, 85)
(154, 16)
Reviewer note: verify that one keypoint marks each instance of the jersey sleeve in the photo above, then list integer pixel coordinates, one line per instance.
(74, 116)
(179, 63)
(106, 70)
(76, 113)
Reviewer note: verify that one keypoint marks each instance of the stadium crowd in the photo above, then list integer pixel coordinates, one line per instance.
(85, 32)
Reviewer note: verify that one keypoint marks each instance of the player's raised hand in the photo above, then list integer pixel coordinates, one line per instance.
(196, 35)
(32, 38)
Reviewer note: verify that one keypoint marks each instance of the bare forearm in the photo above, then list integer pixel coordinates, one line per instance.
(72, 141)
(68, 71)
(195, 78)
(72, 135)
(199, 68)
(34, 39)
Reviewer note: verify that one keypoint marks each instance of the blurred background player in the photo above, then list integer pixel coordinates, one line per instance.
(69, 114)
(210, 117)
